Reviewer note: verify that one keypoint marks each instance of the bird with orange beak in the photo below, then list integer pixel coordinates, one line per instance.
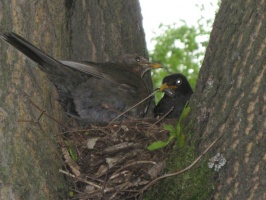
(177, 92)
(94, 93)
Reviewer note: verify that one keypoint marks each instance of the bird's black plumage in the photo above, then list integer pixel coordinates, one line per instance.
(94, 93)
(177, 92)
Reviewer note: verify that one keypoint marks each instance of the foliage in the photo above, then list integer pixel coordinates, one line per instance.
(180, 48)
(197, 183)
(173, 133)
(72, 152)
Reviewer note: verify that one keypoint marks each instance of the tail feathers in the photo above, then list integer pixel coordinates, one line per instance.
(29, 50)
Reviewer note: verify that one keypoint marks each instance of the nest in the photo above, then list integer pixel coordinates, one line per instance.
(113, 162)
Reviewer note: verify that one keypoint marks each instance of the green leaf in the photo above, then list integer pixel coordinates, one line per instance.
(179, 135)
(181, 140)
(171, 129)
(173, 133)
(178, 130)
(157, 145)
(160, 144)
(72, 153)
(184, 113)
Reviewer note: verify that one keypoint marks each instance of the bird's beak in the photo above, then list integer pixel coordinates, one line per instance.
(149, 66)
(168, 90)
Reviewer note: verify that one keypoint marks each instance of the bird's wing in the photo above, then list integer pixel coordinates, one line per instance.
(87, 68)
(111, 72)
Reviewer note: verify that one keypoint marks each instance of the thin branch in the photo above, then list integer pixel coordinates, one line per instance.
(134, 163)
(43, 112)
(185, 169)
(133, 106)
(165, 115)
(82, 180)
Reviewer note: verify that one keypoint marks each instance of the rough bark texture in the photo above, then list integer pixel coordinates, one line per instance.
(230, 99)
(29, 160)
(78, 30)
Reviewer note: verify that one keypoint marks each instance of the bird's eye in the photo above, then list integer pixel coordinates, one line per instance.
(179, 81)
(137, 59)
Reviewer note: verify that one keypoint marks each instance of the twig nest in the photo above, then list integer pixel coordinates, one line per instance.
(113, 162)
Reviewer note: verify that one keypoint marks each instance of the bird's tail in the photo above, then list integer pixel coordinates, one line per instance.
(30, 51)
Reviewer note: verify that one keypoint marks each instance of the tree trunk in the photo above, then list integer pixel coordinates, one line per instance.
(77, 30)
(230, 99)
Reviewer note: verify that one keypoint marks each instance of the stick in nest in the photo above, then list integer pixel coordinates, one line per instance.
(133, 106)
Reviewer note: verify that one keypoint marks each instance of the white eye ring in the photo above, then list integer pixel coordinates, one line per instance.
(137, 59)
(179, 81)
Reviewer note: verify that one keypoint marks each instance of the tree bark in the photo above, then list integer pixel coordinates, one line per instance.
(230, 99)
(69, 30)
(229, 102)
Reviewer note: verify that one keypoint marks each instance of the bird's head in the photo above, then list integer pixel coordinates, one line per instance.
(175, 84)
(138, 64)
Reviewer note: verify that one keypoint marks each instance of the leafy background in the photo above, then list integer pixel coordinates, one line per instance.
(180, 48)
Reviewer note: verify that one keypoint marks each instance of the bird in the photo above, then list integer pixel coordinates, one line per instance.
(93, 93)
(177, 92)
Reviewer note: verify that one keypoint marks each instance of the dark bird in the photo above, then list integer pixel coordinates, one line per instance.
(177, 92)
(94, 93)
